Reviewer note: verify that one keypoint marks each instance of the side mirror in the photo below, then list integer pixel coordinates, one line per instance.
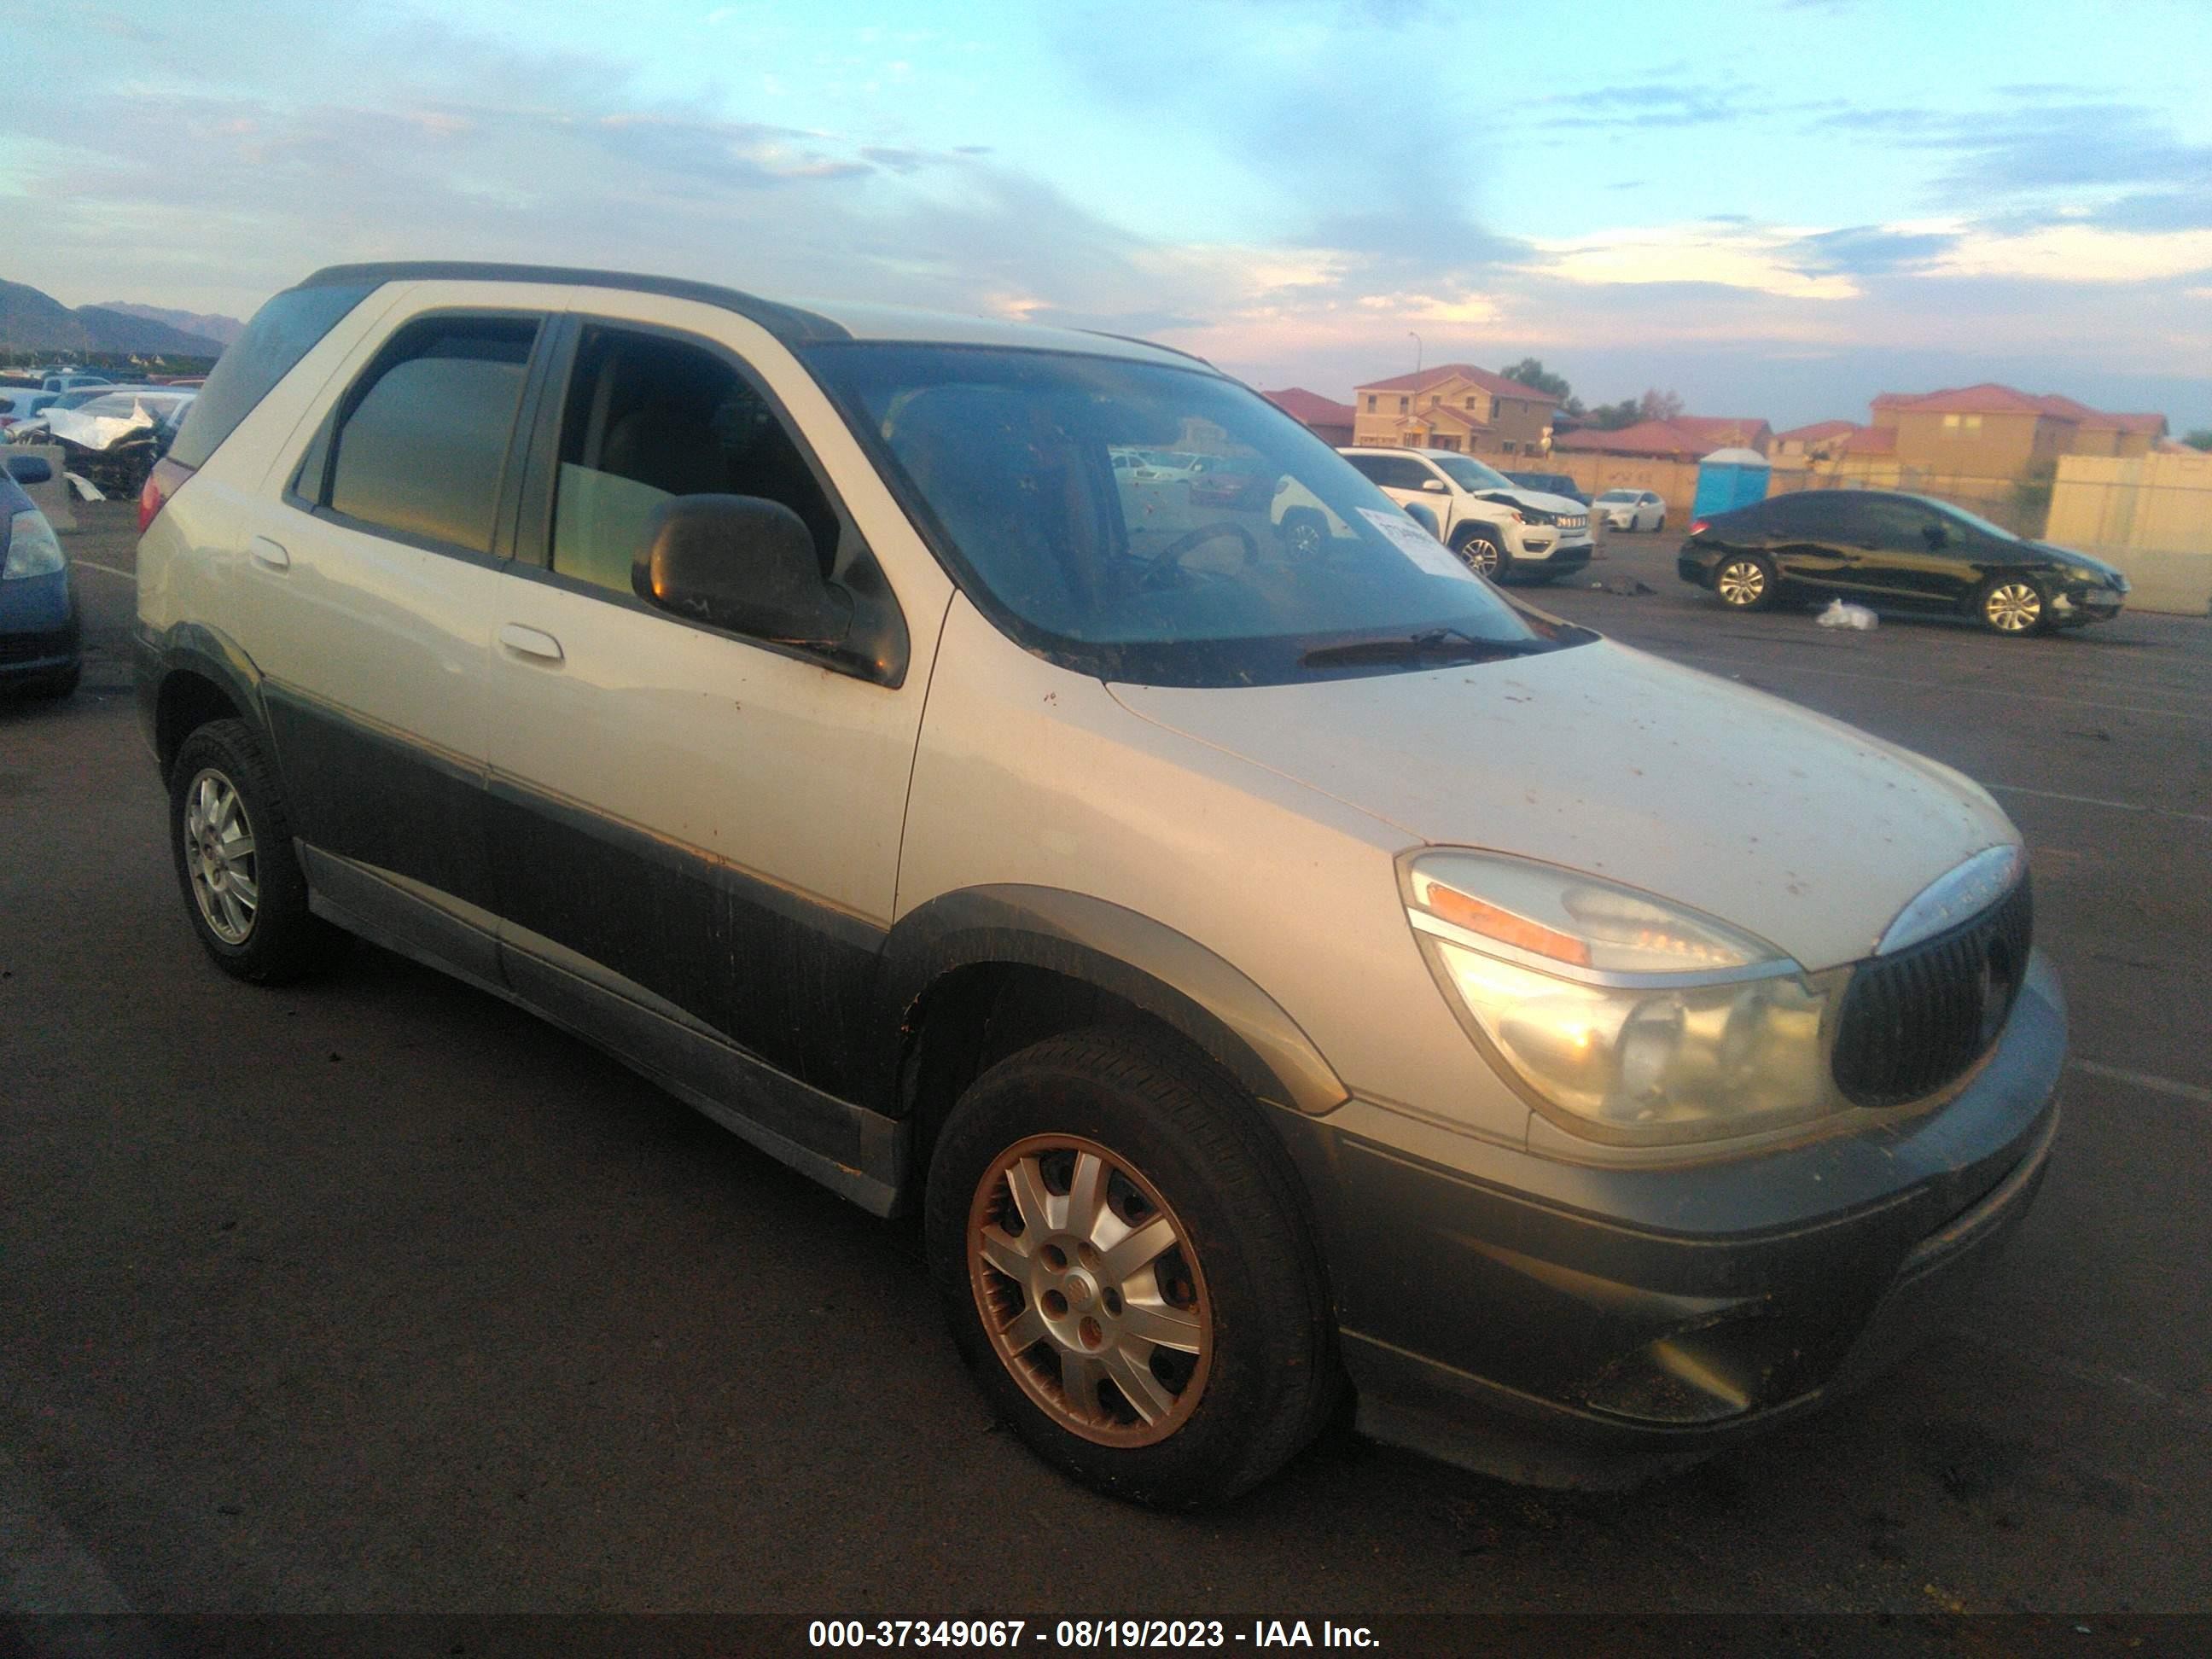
(1434, 486)
(1937, 535)
(742, 563)
(30, 469)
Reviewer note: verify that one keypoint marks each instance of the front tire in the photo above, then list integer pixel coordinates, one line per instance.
(1746, 581)
(1481, 553)
(231, 833)
(1122, 1257)
(2012, 606)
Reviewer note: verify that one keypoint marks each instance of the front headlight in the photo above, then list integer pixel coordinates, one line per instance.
(32, 548)
(1626, 1017)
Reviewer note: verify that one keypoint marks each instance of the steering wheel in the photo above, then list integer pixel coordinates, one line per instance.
(1169, 558)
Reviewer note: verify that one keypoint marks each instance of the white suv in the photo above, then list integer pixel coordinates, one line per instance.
(1267, 956)
(1496, 526)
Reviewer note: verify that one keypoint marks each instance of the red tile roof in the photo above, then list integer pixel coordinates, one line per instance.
(1311, 407)
(1871, 441)
(1644, 438)
(1690, 437)
(1987, 397)
(1818, 432)
(1497, 385)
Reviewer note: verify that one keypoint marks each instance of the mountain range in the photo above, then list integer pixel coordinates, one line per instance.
(33, 321)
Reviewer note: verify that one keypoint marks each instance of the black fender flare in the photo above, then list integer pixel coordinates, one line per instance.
(195, 648)
(1146, 963)
(1466, 528)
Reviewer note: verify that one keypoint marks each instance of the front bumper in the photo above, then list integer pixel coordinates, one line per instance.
(40, 633)
(1581, 1324)
(1540, 553)
(2083, 604)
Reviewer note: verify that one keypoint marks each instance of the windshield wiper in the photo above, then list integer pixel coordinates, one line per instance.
(1438, 642)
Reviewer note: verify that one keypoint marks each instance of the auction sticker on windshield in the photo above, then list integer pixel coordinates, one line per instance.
(1416, 544)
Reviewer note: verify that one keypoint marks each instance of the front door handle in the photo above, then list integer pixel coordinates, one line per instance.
(529, 642)
(269, 553)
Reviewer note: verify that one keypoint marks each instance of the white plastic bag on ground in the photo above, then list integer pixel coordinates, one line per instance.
(1839, 614)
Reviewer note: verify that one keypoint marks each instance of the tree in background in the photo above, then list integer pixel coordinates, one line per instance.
(1657, 405)
(1610, 417)
(2201, 438)
(1531, 372)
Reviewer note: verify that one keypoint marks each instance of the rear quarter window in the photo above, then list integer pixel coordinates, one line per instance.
(282, 332)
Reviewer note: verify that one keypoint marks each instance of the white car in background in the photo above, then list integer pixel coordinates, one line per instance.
(1630, 509)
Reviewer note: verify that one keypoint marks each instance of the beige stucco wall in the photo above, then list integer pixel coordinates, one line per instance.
(2005, 447)
(2150, 514)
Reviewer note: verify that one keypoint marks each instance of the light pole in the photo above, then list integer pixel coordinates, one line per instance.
(1416, 339)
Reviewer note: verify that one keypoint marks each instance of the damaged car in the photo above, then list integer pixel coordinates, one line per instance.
(1270, 958)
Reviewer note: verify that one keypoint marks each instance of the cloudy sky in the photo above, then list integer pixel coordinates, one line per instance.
(1776, 208)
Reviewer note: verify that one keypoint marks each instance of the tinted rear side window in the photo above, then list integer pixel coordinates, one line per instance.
(282, 332)
(425, 434)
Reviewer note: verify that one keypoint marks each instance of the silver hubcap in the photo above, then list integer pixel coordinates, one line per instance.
(1481, 555)
(2012, 608)
(1090, 1289)
(1741, 583)
(219, 857)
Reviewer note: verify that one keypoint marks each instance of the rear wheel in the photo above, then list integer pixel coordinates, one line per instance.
(1746, 581)
(2011, 605)
(1121, 1257)
(232, 835)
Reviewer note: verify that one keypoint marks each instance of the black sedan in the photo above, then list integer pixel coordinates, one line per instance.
(38, 625)
(1895, 552)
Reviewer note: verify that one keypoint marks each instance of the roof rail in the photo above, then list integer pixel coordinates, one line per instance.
(789, 324)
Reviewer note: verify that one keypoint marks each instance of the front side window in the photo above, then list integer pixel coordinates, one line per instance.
(1391, 472)
(649, 418)
(422, 439)
(1229, 576)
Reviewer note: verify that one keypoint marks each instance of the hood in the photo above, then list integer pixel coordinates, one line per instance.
(1797, 827)
(1535, 498)
(2113, 577)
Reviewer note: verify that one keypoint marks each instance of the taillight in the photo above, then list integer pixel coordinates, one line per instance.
(163, 481)
(1698, 526)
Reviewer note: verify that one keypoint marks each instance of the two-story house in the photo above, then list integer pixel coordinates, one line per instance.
(1456, 406)
(1994, 431)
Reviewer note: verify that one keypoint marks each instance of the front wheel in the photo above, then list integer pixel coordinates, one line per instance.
(1122, 1259)
(1744, 582)
(1482, 555)
(1659, 524)
(2011, 606)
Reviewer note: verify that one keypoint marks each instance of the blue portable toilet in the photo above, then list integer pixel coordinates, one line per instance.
(1727, 479)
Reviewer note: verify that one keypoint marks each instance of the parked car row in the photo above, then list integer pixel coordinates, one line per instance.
(109, 435)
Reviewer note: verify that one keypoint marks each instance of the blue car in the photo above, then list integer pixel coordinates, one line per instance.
(40, 633)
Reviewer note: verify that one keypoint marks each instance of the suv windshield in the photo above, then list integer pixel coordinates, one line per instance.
(1273, 547)
(1472, 475)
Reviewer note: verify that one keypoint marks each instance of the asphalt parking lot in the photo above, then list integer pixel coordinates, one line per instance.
(375, 1294)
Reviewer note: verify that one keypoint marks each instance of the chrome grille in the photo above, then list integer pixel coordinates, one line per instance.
(1915, 1021)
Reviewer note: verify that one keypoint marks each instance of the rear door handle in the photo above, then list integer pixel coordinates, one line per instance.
(529, 642)
(269, 553)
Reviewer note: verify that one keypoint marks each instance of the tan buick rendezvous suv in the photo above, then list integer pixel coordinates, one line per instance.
(1270, 962)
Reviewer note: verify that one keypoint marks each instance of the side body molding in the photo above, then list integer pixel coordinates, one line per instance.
(1144, 963)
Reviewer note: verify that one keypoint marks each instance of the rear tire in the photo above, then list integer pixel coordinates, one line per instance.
(230, 833)
(1122, 1256)
(1746, 581)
